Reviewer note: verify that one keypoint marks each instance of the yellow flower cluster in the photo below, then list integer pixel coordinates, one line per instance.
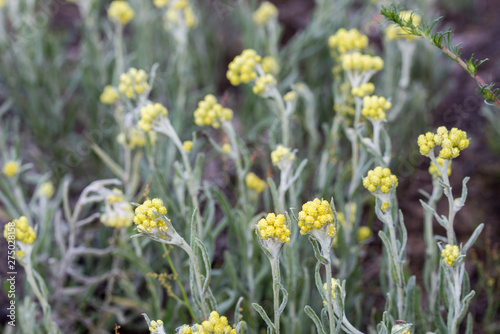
(187, 145)
(374, 107)
(435, 172)
(363, 89)
(394, 31)
(270, 65)
(180, 11)
(136, 138)
(362, 63)
(24, 233)
(315, 215)
(380, 179)
(209, 112)
(3, 3)
(347, 40)
(10, 169)
(242, 68)
(255, 183)
(149, 113)
(214, 325)
(262, 82)
(451, 142)
(281, 152)
(134, 82)
(264, 13)
(109, 95)
(46, 189)
(398, 327)
(156, 326)
(274, 227)
(120, 12)
(226, 148)
(160, 3)
(118, 213)
(363, 233)
(450, 254)
(147, 220)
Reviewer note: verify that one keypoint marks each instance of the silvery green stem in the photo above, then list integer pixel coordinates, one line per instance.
(325, 243)
(348, 326)
(395, 254)
(120, 67)
(276, 291)
(197, 274)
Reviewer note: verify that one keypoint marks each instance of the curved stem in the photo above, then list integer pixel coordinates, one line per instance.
(276, 292)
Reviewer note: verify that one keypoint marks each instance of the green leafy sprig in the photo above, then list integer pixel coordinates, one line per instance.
(444, 41)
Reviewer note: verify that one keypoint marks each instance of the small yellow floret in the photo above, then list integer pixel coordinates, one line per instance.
(187, 145)
(10, 169)
(120, 12)
(160, 3)
(435, 172)
(255, 183)
(280, 154)
(394, 31)
(380, 179)
(46, 189)
(333, 284)
(270, 65)
(316, 214)
(211, 113)
(242, 68)
(147, 220)
(262, 82)
(274, 227)
(148, 115)
(291, 95)
(364, 89)
(156, 327)
(264, 13)
(374, 107)
(226, 148)
(398, 328)
(109, 95)
(361, 63)
(363, 233)
(23, 232)
(450, 254)
(347, 40)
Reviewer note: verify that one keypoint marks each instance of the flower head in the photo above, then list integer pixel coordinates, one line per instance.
(179, 13)
(210, 112)
(274, 227)
(109, 95)
(394, 31)
(363, 89)
(255, 183)
(270, 65)
(242, 68)
(23, 231)
(214, 325)
(120, 12)
(451, 142)
(347, 40)
(281, 153)
(361, 63)
(160, 3)
(264, 13)
(317, 215)
(363, 233)
(156, 327)
(133, 83)
(149, 113)
(147, 218)
(262, 83)
(187, 145)
(380, 179)
(117, 212)
(400, 329)
(374, 107)
(46, 189)
(450, 253)
(10, 169)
